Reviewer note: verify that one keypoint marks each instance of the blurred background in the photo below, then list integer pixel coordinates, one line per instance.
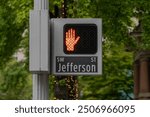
(126, 30)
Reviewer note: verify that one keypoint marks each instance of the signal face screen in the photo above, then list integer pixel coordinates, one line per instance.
(80, 38)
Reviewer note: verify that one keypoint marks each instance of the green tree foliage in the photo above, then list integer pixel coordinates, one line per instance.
(14, 78)
(142, 12)
(13, 22)
(15, 82)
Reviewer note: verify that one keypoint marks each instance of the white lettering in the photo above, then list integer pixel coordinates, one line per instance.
(93, 68)
(75, 68)
(64, 68)
(71, 67)
(83, 68)
(88, 68)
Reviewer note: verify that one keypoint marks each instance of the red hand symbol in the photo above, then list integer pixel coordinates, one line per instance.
(71, 39)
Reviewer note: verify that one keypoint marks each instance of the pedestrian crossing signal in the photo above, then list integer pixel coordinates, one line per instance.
(80, 39)
(71, 40)
(76, 46)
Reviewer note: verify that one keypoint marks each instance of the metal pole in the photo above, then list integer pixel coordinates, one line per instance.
(41, 4)
(40, 86)
(40, 80)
